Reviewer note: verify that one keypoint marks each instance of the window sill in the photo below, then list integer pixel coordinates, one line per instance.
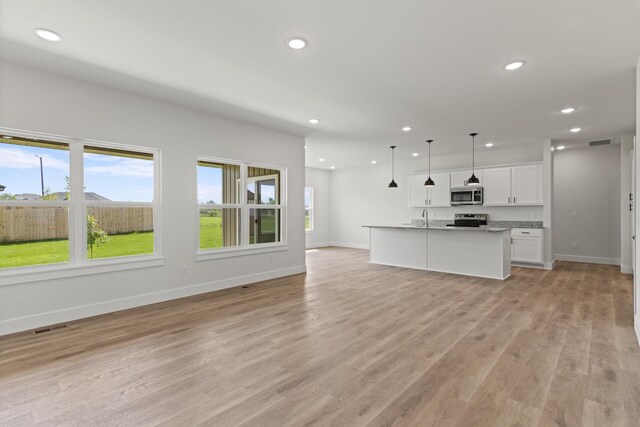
(235, 252)
(59, 271)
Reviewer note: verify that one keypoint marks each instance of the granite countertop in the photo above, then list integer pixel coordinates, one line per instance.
(443, 228)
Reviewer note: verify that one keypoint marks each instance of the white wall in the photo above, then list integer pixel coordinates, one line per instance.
(320, 180)
(626, 148)
(587, 186)
(40, 101)
(360, 195)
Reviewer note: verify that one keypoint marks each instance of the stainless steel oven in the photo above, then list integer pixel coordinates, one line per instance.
(469, 195)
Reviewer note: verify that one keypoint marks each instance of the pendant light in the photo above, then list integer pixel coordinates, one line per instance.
(392, 184)
(429, 182)
(473, 180)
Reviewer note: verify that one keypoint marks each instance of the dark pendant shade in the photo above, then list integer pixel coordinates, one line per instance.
(393, 184)
(429, 182)
(473, 180)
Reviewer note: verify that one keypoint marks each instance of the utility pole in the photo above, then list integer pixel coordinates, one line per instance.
(41, 175)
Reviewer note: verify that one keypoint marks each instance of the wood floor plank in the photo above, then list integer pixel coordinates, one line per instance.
(347, 344)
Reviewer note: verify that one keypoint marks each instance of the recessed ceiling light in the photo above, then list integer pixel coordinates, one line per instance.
(321, 159)
(314, 121)
(514, 65)
(305, 146)
(415, 154)
(560, 147)
(297, 43)
(575, 130)
(373, 162)
(407, 128)
(47, 35)
(489, 144)
(332, 167)
(568, 110)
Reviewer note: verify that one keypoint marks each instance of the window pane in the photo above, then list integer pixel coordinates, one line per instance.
(308, 196)
(33, 169)
(218, 183)
(263, 186)
(114, 232)
(219, 227)
(264, 225)
(33, 235)
(117, 175)
(307, 219)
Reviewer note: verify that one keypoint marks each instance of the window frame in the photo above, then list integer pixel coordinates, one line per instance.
(311, 208)
(78, 263)
(245, 248)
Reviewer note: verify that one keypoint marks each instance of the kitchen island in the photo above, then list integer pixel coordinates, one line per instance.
(472, 251)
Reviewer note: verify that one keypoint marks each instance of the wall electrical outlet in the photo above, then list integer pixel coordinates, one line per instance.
(574, 245)
(183, 269)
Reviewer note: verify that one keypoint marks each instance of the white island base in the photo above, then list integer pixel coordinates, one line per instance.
(473, 252)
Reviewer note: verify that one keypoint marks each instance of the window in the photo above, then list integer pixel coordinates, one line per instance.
(233, 219)
(67, 202)
(308, 208)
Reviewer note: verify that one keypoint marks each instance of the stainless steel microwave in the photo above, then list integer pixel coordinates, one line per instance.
(469, 195)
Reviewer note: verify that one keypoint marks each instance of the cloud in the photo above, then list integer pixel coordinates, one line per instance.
(124, 167)
(209, 192)
(17, 158)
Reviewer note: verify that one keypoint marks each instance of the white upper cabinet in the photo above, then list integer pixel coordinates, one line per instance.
(439, 196)
(497, 186)
(514, 186)
(504, 186)
(526, 185)
(459, 178)
(418, 195)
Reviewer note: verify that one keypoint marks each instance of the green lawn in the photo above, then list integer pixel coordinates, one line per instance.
(210, 232)
(51, 251)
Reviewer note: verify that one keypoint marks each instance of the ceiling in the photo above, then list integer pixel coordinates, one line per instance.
(370, 68)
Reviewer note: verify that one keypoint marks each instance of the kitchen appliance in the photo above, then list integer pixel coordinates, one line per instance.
(468, 220)
(470, 195)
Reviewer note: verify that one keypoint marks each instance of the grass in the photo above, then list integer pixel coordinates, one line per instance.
(210, 232)
(52, 251)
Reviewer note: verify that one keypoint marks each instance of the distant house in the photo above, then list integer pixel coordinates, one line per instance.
(61, 195)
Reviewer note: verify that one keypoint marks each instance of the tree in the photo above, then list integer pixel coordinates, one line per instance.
(95, 236)
(7, 196)
(48, 195)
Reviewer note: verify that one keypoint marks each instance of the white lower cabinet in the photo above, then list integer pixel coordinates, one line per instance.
(526, 245)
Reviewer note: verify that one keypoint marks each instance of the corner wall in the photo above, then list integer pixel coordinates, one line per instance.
(44, 102)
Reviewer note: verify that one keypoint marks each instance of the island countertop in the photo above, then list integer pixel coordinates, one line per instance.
(445, 228)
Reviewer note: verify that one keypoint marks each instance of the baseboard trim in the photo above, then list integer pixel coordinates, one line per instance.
(549, 265)
(318, 245)
(528, 265)
(25, 323)
(351, 245)
(588, 259)
(626, 269)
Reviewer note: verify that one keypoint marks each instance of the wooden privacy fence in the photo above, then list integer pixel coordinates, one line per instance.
(28, 223)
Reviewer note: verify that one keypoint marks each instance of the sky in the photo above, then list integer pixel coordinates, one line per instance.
(117, 178)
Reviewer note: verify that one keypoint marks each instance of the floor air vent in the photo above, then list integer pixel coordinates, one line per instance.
(49, 329)
(599, 142)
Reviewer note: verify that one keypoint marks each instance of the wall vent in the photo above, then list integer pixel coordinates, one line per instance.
(49, 329)
(599, 142)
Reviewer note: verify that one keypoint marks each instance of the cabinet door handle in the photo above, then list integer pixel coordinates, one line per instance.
(514, 199)
(509, 199)
(526, 232)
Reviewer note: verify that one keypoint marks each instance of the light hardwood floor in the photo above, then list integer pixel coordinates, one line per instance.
(348, 344)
